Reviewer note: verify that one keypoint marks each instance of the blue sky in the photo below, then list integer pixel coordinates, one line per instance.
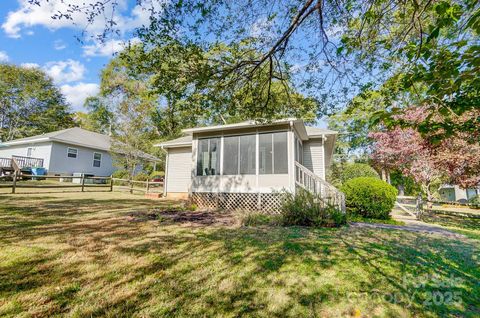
(29, 37)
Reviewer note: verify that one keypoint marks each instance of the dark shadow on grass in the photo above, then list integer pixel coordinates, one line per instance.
(191, 270)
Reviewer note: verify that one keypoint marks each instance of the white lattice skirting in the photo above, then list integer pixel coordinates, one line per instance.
(266, 202)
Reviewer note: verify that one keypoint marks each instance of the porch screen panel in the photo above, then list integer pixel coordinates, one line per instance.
(247, 154)
(280, 153)
(265, 154)
(208, 162)
(273, 155)
(230, 155)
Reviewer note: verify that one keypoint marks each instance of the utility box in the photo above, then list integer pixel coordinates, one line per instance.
(85, 175)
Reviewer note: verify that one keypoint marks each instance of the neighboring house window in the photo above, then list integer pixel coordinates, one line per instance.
(273, 157)
(29, 152)
(239, 155)
(208, 157)
(97, 159)
(72, 152)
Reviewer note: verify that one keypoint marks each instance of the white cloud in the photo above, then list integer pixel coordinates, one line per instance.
(65, 71)
(4, 56)
(59, 45)
(30, 65)
(77, 93)
(107, 48)
(29, 15)
(262, 28)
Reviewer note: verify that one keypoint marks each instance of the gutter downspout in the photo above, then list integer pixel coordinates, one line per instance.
(324, 138)
(165, 179)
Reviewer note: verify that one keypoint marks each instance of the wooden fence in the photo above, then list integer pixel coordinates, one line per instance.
(108, 183)
(146, 186)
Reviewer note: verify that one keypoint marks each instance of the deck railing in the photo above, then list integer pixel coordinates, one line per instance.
(308, 180)
(5, 162)
(29, 162)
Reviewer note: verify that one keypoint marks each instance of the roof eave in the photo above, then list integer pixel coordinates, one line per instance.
(176, 145)
(22, 142)
(191, 131)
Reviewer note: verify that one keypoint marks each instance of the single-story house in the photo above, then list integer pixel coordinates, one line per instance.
(64, 152)
(449, 192)
(248, 164)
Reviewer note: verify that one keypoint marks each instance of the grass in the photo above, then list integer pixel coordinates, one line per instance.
(358, 218)
(466, 226)
(88, 254)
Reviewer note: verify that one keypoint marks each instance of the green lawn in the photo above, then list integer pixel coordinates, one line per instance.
(106, 254)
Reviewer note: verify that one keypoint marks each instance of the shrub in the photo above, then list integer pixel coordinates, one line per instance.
(357, 170)
(141, 177)
(369, 197)
(121, 174)
(475, 200)
(190, 206)
(157, 173)
(307, 209)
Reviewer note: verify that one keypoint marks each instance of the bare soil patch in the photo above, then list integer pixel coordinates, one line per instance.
(189, 218)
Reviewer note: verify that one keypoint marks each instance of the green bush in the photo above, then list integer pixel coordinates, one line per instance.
(369, 197)
(157, 173)
(307, 209)
(357, 170)
(121, 174)
(141, 177)
(475, 200)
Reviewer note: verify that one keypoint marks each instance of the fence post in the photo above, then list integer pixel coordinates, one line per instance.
(148, 186)
(83, 182)
(14, 184)
(131, 185)
(111, 183)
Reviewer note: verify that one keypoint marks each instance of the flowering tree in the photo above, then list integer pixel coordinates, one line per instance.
(405, 150)
(455, 159)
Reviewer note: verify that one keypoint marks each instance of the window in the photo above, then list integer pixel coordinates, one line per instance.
(97, 159)
(208, 157)
(239, 155)
(273, 158)
(298, 151)
(29, 152)
(72, 152)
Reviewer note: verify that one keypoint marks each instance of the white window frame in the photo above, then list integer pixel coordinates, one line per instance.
(68, 152)
(29, 151)
(100, 160)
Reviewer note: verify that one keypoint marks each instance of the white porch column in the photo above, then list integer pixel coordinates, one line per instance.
(291, 157)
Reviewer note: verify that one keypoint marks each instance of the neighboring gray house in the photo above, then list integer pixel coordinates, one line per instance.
(455, 193)
(247, 164)
(68, 151)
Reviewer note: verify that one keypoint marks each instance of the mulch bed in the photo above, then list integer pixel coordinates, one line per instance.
(195, 218)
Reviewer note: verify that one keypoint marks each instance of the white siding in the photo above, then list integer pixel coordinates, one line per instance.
(39, 150)
(313, 156)
(179, 169)
(264, 183)
(61, 164)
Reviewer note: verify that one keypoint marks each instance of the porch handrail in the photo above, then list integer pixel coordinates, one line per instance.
(28, 161)
(308, 180)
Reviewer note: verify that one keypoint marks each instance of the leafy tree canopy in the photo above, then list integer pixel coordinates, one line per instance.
(30, 103)
(331, 47)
